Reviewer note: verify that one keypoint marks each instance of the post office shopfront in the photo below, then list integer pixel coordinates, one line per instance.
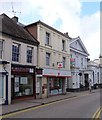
(22, 82)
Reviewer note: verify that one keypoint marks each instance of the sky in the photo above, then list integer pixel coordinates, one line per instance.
(77, 17)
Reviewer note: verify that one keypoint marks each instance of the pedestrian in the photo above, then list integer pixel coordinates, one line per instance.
(90, 85)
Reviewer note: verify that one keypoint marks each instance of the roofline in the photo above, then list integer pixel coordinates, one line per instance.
(40, 22)
(75, 50)
(22, 39)
(78, 38)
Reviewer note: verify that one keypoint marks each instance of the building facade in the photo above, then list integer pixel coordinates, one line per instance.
(18, 60)
(78, 65)
(94, 66)
(53, 58)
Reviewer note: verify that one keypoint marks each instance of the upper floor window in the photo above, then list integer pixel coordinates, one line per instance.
(81, 62)
(48, 59)
(63, 45)
(1, 48)
(64, 61)
(29, 54)
(15, 52)
(47, 38)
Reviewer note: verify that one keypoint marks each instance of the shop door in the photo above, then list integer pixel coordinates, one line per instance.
(2, 89)
(39, 87)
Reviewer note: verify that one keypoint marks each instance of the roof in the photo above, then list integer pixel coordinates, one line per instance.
(40, 22)
(72, 40)
(15, 31)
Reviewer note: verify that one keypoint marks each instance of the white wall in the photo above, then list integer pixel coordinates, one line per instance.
(7, 56)
(55, 49)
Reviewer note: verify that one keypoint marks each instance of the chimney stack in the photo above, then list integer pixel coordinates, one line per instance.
(15, 19)
(67, 33)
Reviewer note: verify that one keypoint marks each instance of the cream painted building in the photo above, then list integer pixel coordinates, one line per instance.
(18, 60)
(53, 58)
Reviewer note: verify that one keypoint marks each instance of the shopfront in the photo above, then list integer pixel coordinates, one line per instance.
(55, 85)
(56, 81)
(22, 82)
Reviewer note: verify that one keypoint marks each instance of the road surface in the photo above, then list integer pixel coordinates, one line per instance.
(83, 106)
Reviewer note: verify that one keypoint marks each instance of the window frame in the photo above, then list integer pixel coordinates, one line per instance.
(29, 57)
(15, 52)
(48, 58)
(63, 45)
(1, 48)
(47, 39)
(64, 61)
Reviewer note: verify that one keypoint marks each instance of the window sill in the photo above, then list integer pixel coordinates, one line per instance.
(64, 50)
(48, 45)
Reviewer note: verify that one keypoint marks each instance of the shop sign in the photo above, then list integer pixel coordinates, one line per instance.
(60, 65)
(22, 69)
(72, 61)
(31, 70)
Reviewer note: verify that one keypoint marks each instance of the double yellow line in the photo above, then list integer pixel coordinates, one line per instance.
(97, 114)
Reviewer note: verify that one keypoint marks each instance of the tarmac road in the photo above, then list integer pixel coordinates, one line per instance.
(83, 106)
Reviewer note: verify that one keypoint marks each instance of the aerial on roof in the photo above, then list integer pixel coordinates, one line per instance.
(14, 30)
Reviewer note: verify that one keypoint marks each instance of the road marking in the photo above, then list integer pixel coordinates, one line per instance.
(94, 115)
(46, 104)
(97, 113)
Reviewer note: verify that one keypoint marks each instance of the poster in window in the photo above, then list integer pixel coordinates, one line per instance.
(23, 80)
(37, 86)
(16, 84)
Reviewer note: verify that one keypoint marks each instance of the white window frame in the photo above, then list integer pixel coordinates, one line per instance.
(17, 59)
(48, 57)
(48, 38)
(64, 61)
(63, 45)
(30, 55)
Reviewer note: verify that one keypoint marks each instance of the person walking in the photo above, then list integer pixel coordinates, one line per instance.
(90, 89)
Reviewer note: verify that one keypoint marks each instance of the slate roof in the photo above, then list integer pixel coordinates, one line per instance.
(15, 31)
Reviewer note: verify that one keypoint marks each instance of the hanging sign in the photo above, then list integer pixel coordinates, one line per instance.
(60, 65)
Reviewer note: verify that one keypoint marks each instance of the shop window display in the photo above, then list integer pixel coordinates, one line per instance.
(1, 86)
(23, 85)
(55, 86)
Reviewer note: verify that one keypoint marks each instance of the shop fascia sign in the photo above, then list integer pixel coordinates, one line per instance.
(60, 64)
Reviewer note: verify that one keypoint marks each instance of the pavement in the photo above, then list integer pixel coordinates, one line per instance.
(22, 105)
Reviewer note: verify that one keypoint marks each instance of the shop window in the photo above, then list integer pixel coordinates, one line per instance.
(15, 52)
(55, 84)
(1, 48)
(23, 86)
(1, 86)
(29, 54)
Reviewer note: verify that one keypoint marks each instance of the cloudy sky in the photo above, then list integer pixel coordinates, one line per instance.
(77, 17)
